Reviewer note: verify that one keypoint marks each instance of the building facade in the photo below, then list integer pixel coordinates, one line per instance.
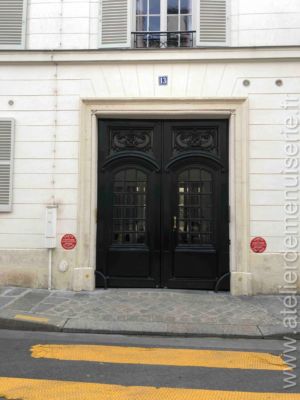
(153, 141)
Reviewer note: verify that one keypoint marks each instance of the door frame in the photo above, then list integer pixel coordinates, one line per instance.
(234, 109)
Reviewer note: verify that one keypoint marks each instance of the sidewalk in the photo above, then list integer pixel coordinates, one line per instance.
(143, 311)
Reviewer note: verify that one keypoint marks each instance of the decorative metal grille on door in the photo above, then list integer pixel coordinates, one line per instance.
(129, 206)
(195, 192)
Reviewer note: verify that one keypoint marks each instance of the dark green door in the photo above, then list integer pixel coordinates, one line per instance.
(163, 203)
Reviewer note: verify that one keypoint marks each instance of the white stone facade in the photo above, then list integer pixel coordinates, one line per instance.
(55, 96)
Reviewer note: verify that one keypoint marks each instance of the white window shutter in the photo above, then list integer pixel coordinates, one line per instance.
(6, 163)
(115, 23)
(12, 23)
(212, 23)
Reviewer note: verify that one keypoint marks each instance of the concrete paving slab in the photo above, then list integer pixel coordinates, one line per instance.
(62, 293)
(3, 290)
(15, 291)
(4, 301)
(29, 300)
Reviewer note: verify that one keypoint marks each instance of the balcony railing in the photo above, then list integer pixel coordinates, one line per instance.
(162, 40)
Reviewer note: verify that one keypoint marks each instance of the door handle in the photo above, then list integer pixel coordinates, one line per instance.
(174, 223)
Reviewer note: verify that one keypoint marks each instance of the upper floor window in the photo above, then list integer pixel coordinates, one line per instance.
(163, 23)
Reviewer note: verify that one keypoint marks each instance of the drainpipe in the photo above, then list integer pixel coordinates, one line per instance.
(50, 237)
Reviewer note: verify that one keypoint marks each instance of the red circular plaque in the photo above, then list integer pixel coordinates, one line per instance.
(68, 241)
(258, 245)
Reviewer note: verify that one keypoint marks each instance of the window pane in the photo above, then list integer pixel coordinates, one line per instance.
(186, 6)
(172, 6)
(141, 23)
(186, 23)
(154, 23)
(154, 6)
(141, 7)
(172, 23)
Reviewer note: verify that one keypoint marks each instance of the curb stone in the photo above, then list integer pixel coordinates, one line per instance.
(73, 325)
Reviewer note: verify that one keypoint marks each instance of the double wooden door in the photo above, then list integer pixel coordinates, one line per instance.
(163, 203)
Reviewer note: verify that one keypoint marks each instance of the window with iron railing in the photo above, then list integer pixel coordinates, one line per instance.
(149, 24)
(163, 23)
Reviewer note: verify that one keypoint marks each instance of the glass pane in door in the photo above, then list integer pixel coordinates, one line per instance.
(195, 196)
(129, 207)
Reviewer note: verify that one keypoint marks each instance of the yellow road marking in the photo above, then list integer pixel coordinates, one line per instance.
(161, 356)
(35, 389)
(31, 318)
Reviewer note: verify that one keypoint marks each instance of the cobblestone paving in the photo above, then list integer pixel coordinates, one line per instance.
(172, 306)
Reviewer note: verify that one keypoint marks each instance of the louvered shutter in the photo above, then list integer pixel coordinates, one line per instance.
(6, 162)
(212, 28)
(12, 23)
(115, 23)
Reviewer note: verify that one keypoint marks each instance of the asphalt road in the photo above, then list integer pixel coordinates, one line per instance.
(17, 361)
